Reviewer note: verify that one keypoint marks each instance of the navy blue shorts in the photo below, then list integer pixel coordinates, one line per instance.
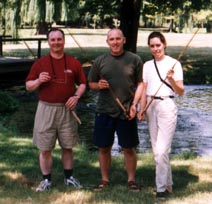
(105, 127)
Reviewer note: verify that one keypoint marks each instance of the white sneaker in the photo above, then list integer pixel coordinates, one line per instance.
(44, 185)
(72, 182)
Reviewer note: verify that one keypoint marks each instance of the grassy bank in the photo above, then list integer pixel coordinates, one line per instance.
(196, 61)
(20, 174)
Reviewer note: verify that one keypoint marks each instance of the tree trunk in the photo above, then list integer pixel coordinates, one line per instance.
(129, 16)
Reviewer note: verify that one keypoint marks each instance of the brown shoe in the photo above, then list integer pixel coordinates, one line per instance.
(132, 186)
(101, 186)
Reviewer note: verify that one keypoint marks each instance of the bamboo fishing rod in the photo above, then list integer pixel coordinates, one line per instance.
(119, 102)
(76, 117)
(30, 50)
(179, 57)
(83, 51)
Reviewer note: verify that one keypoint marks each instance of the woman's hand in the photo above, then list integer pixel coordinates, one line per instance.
(170, 74)
(141, 115)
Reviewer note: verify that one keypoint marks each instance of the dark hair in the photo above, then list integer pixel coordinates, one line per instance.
(159, 35)
(55, 29)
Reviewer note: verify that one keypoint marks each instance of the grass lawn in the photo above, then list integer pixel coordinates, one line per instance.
(20, 174)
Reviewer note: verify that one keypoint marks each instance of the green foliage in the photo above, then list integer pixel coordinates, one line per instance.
(177, 15)
(105, 10)
(196, 76)
(8, 104)
(186, 156)
(197, 66)
(57, 13)
(41, 6)
(199, 4)
(17, 13)
(22, 120)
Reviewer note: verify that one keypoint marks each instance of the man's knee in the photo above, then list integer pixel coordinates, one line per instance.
(45, 153)
(104, 150)
(129, 151)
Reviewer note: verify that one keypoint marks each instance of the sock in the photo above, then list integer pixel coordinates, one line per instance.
(68, 173)
(48, 177)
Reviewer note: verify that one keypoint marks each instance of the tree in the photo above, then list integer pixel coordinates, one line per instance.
(129, 16)
(17, 13)
(105, 10)
(42, 26)
(13, 14)
(179, 12)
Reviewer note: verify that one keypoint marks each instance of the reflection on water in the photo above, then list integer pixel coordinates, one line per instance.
(193, 132)
(194, 122)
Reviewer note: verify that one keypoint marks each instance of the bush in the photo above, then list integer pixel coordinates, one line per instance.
(8, 104)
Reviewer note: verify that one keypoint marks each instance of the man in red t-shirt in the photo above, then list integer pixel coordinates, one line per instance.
(60, 81)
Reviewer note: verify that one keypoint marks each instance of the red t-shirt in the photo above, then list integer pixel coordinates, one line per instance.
(65, 73)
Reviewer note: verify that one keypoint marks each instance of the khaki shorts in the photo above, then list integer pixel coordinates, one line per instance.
(52, 122)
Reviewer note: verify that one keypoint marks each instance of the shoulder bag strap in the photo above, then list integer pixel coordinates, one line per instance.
(161, 78)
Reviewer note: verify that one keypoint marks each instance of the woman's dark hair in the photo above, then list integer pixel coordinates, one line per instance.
(55, 29)
(159, 35)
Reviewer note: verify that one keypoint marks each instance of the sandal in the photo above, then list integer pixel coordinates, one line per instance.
(132, 186)
(101, 186)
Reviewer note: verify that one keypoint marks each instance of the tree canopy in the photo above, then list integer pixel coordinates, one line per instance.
(175, 16)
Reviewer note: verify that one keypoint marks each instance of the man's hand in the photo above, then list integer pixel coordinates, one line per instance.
(132, 112)
(103, 84)
(44, 77)
(72, 102)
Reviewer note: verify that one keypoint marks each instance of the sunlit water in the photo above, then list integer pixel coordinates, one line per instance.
(193, 132)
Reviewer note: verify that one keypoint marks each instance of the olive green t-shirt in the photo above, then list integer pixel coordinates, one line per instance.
(123, 73)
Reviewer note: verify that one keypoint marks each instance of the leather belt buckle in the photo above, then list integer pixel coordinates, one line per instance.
(157, 97)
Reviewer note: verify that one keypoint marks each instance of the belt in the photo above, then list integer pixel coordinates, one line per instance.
(51, 104)
(161, 97)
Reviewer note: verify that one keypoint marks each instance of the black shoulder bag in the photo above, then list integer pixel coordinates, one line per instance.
(161, 78)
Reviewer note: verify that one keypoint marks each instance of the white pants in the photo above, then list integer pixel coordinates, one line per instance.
(162, 119)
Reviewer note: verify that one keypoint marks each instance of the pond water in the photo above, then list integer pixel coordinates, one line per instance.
(193, 132)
